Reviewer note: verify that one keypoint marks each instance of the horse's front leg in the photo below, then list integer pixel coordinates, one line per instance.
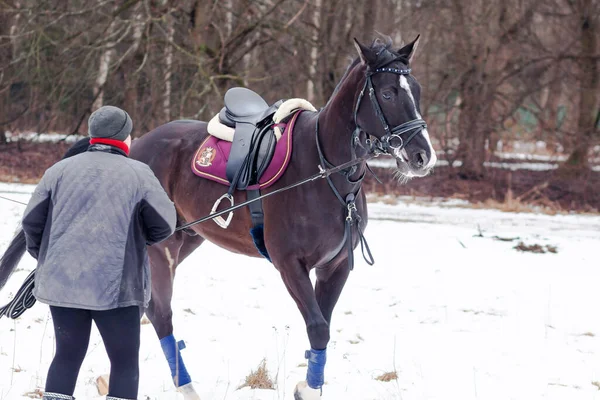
(331, 279)
(297, 281)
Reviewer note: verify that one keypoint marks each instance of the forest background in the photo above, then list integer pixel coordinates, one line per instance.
(502, 81)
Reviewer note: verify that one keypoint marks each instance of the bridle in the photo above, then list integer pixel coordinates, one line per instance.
(392, 139)
(391, 142)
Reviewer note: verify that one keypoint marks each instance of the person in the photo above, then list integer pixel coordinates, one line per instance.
(88, 224)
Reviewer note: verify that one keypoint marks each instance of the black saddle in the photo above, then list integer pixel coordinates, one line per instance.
(245, 106)
(253, 141)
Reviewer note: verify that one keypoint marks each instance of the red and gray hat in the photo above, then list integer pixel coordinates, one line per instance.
(110, 122)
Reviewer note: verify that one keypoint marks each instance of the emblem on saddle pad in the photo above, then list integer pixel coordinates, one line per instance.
(206, 157)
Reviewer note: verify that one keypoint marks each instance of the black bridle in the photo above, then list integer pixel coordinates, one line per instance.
(392, 139)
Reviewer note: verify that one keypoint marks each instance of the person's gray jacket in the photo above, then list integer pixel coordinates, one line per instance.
(88, 223)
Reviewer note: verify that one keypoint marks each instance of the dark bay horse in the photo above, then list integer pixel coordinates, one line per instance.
(375, 103)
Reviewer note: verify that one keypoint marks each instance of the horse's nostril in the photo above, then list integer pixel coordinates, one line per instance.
(421, 159)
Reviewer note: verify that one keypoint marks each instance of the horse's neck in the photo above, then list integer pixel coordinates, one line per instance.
(336, 127)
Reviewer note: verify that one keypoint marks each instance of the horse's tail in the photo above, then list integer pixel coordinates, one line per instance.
(11, 257)
(13, 254)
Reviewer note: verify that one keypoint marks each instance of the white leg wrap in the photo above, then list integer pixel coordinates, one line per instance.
(304, 392)
(188, 391)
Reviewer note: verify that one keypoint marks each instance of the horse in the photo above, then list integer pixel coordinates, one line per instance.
(376, 105)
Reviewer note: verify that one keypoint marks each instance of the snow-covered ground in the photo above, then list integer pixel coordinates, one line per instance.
(458, 316)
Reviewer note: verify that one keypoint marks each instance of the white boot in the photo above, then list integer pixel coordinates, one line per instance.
(305, 392)
(188, 391)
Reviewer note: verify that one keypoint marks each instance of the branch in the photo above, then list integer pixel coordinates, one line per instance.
(240, 36)
(128, 4)
(9, 121)
(295, 17)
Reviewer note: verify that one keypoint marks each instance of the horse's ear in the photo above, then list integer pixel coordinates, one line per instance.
(367, 56)
(410, 49)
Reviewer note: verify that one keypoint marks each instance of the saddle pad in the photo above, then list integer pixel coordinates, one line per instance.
(210, 161)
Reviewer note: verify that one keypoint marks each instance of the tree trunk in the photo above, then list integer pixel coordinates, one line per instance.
(5, 75)
(328, 39)
(103, 68)
(311, 94)
(168, 68)
(588, 95)
(129, 68)
(370, 12)
(3, 117)
(473, 126)
(472, 135)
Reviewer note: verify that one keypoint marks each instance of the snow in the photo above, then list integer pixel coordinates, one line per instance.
(42, 137)
(530, 166)
(458, 316)
(530, 157)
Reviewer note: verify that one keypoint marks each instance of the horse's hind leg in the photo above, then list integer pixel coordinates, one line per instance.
(164, 258)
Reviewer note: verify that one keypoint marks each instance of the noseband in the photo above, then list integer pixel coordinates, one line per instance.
(392, 140)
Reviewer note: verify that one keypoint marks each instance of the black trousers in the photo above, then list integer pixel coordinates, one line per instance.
(120, 331)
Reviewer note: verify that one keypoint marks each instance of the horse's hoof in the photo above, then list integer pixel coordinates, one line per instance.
(304, 392)
(188, 392)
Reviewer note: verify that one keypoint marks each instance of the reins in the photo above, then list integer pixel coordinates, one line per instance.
(23, 300)
(14, 201)
(323, 173)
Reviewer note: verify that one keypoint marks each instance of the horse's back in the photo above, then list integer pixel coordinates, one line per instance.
(169, 141)
(168, 149)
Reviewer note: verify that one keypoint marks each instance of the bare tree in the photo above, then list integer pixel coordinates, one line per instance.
(5, 59)
(481, 64)
(168, 67)
(586, 13)
(314, 53)
(106, 59)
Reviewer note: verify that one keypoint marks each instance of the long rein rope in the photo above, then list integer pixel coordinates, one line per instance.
(323, 173)
(24, 298)
(14, 201)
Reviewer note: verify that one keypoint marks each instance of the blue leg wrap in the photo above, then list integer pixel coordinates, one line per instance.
(171, 348)
(315, 376)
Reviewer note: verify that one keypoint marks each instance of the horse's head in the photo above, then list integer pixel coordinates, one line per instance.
(388, 107)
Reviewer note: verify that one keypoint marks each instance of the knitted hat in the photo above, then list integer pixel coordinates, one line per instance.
(109, 122)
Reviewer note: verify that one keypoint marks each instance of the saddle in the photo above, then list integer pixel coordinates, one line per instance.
(248, 148)
(253, 143)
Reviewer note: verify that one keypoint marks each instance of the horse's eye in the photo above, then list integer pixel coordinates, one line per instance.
(386, 95)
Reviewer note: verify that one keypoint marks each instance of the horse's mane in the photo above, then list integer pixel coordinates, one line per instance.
(383, 46)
